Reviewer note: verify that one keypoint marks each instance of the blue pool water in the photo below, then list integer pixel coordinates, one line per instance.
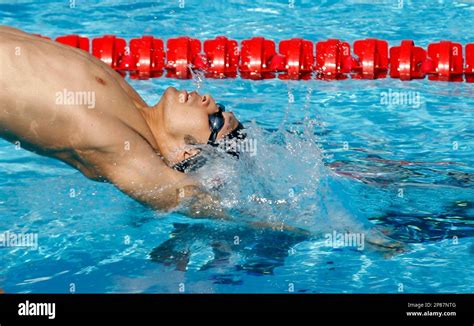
(328, 154)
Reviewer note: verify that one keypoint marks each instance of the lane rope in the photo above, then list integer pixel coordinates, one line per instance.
(296, 59)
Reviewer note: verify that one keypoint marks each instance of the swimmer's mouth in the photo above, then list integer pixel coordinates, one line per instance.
(184, 96)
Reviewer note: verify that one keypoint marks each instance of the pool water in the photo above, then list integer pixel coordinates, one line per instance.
(328, 154)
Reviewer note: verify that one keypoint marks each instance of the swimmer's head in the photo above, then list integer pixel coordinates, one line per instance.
(189, 120)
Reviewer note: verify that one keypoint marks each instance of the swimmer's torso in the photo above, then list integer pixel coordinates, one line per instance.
(45, 85)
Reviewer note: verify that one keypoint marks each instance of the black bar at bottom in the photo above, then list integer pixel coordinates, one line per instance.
(79, 306)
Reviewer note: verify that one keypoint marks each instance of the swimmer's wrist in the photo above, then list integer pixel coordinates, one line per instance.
(199, 203)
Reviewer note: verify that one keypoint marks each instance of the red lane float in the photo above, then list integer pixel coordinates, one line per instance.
(445, 61)
(146, 58)
(373, 59)
(406, 61)
(75, 41)
(183, 54)
(111, 50)
(222, 57)
(257, 58)
(298, 59)
(333, 59)
(469, 70)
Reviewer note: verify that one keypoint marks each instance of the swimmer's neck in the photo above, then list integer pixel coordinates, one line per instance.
(153, 116)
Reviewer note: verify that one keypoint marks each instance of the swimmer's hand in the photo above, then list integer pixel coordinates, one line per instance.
(382, 242)
(282, 227)
(199, 203)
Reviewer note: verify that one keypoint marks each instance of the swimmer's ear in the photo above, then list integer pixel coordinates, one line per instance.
(189, 150)
(190, 153)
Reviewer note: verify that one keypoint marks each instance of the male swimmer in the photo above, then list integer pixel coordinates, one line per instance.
(142, 150)
(145, 151)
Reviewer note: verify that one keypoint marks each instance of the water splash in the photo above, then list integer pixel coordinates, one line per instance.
(285, 182)
(197, 77)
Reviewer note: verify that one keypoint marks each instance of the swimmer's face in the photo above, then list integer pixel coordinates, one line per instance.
(186, 117)
(187, 113)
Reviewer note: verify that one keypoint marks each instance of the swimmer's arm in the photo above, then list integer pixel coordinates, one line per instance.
(154, 184)
(145, 177)
(196, 202)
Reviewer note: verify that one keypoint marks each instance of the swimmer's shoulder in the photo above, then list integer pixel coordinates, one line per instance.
(11, 30)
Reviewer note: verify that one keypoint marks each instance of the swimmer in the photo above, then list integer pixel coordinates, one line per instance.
(109, 133)
(115, 136)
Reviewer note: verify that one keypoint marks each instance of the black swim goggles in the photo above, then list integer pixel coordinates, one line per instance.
(216, 123)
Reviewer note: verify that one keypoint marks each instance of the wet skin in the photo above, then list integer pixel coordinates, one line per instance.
(120, 139)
